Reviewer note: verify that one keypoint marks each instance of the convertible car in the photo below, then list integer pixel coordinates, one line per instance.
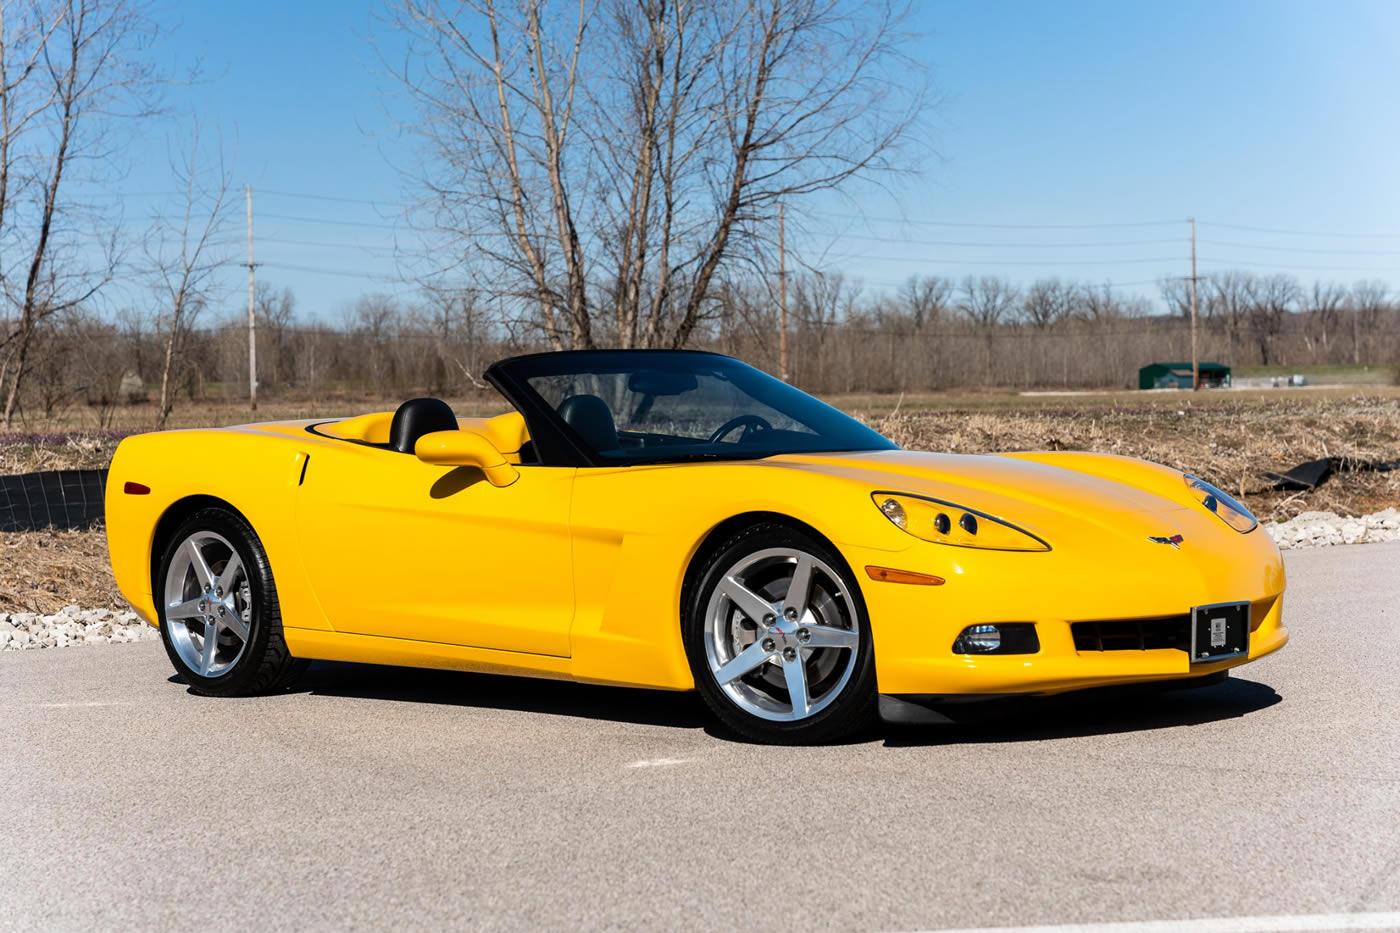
(680, 520)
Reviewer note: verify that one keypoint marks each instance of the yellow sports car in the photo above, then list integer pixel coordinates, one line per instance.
(680, 520)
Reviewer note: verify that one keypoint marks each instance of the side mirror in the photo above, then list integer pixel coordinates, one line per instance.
(466, 448)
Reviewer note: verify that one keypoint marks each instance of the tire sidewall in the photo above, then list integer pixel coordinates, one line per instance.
(849, 711)
(240, 534)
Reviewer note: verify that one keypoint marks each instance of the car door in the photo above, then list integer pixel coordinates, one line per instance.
(400, 548)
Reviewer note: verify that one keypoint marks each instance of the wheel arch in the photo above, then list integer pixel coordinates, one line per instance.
(710, 543)
(170, 519)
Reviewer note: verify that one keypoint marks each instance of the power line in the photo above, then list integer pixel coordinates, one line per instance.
(316, 196)
(290, 242)
(1109, 285)
(985, 245)
(942, 223)
(321, 270)
(1307, 249)
(336, 198)
(334, 223)
(399, 228)
(1289, 265)
(1313, 233)
(1016, 262)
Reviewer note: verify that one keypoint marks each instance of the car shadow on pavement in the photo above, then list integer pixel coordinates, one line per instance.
(1103, 711)
(498, 691)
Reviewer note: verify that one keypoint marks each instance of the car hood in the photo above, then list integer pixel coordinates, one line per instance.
(1021, 490)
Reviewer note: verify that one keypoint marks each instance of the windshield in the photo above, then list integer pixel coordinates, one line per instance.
(656, 406)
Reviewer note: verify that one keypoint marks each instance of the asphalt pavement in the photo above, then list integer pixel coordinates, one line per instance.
(375, 798)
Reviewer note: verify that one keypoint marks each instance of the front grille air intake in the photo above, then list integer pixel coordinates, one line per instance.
(1133, 634)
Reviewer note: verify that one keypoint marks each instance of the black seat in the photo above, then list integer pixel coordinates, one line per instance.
(416, 417)
(591, 417)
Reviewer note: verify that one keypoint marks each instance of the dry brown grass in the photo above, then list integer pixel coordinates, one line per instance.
(43, 571)
(1232, 439)
(1232, 444)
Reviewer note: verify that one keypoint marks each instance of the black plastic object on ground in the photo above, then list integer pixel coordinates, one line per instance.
(1314, 473)
(52, 499)
(1308, 475)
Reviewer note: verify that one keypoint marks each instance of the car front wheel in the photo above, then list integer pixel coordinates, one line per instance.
(778, 640)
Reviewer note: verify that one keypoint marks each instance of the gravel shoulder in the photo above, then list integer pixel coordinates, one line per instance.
(1327, 529)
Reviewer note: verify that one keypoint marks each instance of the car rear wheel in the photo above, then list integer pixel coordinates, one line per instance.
(218, 611)
(778, 640)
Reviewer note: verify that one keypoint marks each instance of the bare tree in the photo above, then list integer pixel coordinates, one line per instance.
(67, 69)
(1047, 302)
(603, 164)
(1325, 306)
(372, 319)
(820, 300)
(1271, 298)
(184, 255)
(986, 301)
(1176, 295)
(1097, 305)
(1368, 301)
(276, 316)
(1228, 300)
(926, 299)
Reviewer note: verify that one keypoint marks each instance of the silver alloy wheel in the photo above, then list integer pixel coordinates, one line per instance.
(781, 634)
(208, 604)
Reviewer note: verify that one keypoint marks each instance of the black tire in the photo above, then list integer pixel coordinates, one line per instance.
(264, 664)
(852, 708)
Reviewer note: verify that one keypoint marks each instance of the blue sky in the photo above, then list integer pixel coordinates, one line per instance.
(1058, 122)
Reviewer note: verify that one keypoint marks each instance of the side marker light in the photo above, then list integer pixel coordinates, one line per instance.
(136, 489)
(890, 575)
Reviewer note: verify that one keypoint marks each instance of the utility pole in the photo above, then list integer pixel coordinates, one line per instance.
(252, 317)
(782, 300)
(1195, 352)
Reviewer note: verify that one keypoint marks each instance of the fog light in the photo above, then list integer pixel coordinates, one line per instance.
(1003, 638)
(978, 638)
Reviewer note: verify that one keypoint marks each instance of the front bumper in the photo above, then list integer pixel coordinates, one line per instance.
(914, 627)
(1058, 667)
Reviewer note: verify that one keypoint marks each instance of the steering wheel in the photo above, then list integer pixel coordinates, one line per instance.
(750, 424)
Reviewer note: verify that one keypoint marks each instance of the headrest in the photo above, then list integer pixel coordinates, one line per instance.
(416, 417)
(591, 417)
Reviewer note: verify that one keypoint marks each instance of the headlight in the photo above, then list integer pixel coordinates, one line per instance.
(945, 523)
(1222, 504)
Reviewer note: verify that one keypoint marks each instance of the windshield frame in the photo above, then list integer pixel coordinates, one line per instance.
(557, 444)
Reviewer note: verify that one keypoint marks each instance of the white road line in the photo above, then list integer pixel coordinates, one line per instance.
(1286, 923)
(82, 705)
(657, 762)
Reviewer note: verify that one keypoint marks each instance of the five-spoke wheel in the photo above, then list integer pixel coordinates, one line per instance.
(783, 643)
(208, 603)
(219, 616)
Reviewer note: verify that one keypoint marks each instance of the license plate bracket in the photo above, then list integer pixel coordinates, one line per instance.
(1219, 631)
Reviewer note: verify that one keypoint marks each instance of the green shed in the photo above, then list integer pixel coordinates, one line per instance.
(1178, 376)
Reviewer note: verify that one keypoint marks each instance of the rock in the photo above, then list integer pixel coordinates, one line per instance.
(1325, 529)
